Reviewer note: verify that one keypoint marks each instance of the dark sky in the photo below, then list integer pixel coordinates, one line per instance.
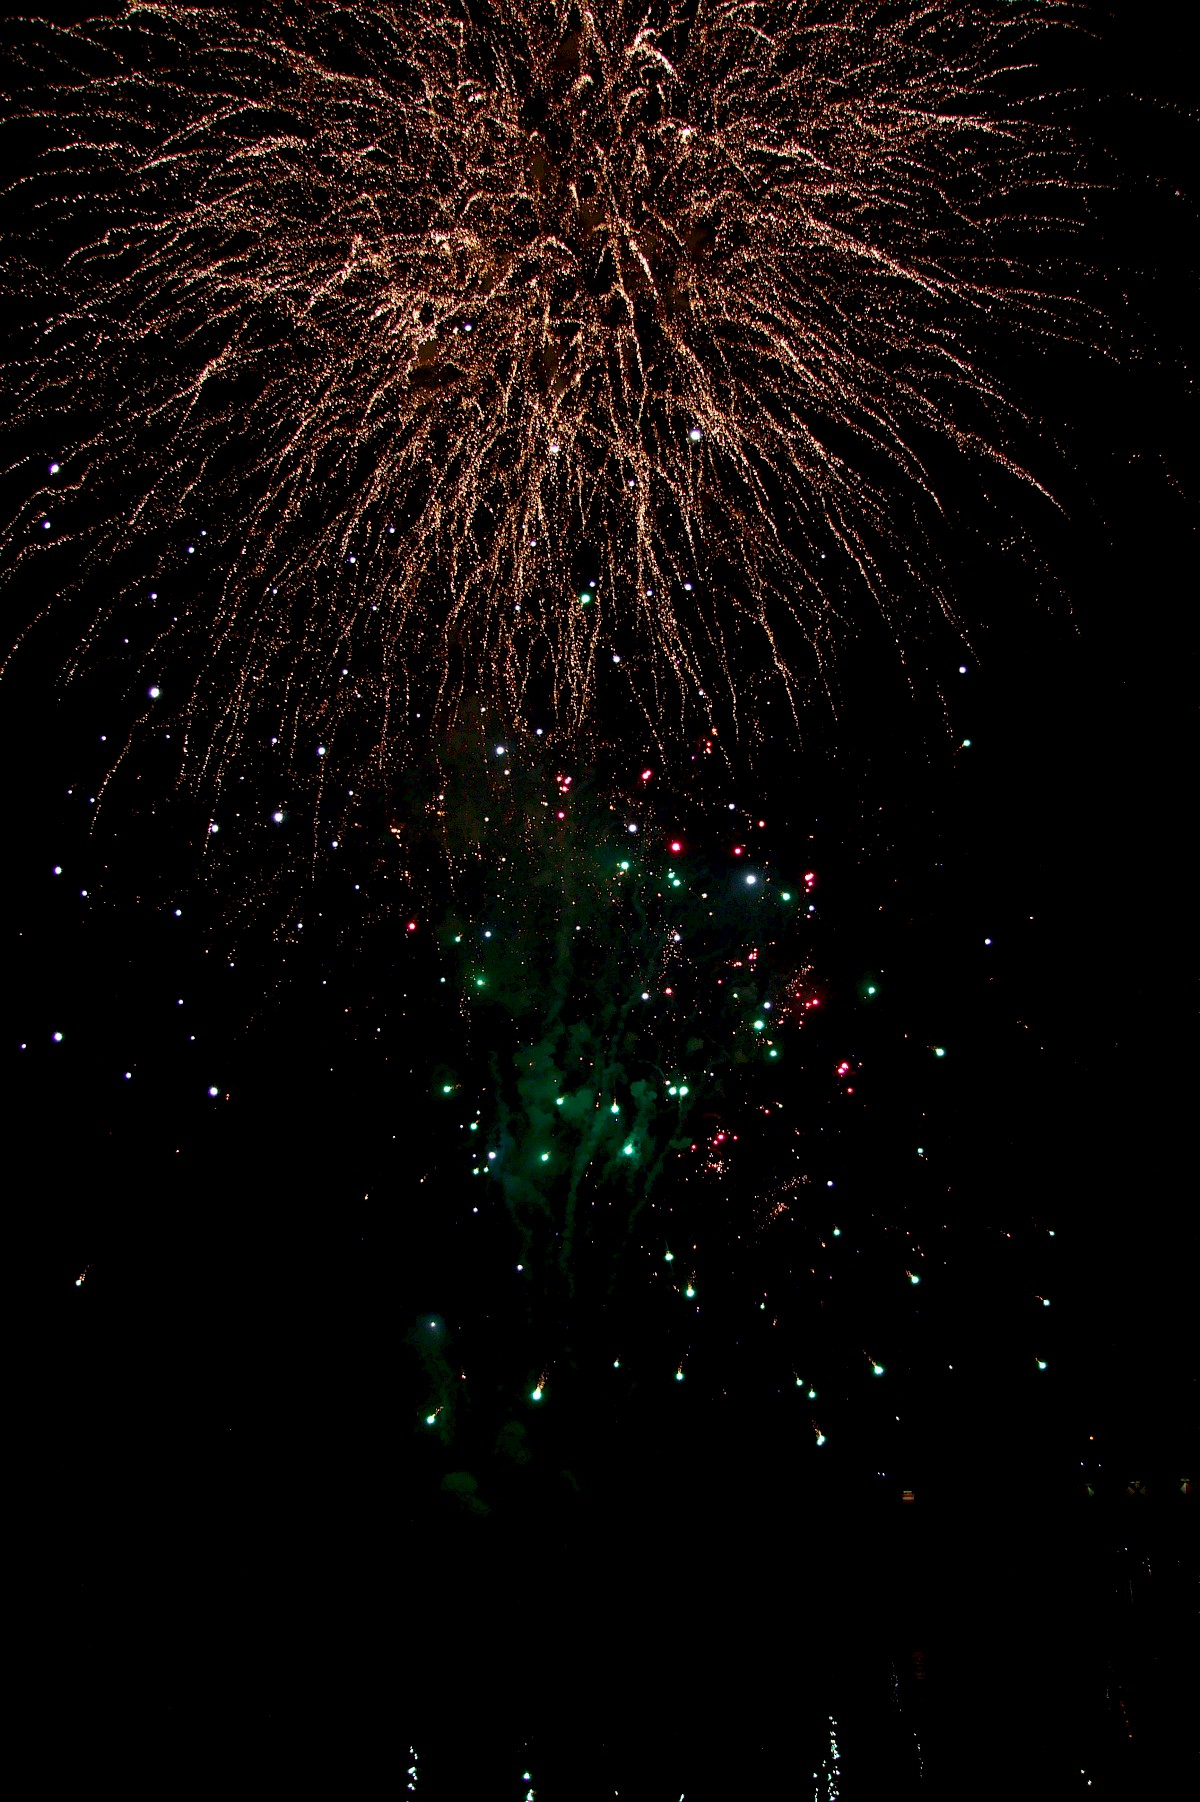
(226, 1453)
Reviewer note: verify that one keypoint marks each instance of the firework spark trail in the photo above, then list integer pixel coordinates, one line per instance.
(436, 313)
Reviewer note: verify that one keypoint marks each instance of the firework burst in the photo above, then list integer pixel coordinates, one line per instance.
(519, 347)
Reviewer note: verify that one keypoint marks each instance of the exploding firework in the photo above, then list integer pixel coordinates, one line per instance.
(386, 354)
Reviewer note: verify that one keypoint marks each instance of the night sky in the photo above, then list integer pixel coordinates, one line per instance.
(855, 1459)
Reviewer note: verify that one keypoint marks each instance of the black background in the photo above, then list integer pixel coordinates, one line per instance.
(242, 1548)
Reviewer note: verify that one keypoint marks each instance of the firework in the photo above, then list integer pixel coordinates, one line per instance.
(585, 357)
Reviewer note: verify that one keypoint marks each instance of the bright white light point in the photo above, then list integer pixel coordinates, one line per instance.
(57, 1037)
(987, 941)
(629, 1151)
(278, 818)
(877, 1369)
(491, 1157)
(631, 828)
(191, 549)
(179, 913)
(154, 693)
(213, 827)
(750, 881)
(536, 1394)
(695, 434)
(687, 588)
(54, 469)
(499, 750)
(320, 750)
(128, 1075)
(45, 525)
(645, 994)
(58, 869)
(214, 1091)
(962, 669)
(1041, 1363)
